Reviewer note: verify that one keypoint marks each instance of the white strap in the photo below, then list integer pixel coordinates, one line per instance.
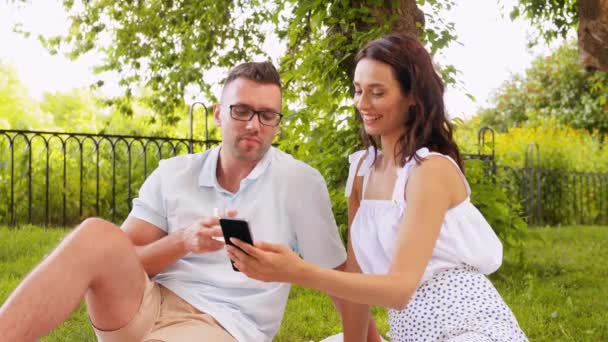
(354, 160)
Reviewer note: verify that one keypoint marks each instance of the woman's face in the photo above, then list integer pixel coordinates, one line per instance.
(379, 99)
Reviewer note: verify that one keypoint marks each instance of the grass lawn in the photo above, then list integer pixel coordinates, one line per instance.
(558, 294)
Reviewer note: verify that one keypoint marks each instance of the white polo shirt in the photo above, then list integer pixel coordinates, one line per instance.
(285, 201)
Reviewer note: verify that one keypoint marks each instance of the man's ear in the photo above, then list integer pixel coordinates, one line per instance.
(217, 109)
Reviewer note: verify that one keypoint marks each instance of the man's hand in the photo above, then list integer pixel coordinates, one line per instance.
(199, 236)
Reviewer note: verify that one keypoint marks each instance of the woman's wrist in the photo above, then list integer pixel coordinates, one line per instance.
(302, 272)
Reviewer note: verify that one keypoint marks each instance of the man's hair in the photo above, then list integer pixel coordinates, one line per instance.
(260, 72)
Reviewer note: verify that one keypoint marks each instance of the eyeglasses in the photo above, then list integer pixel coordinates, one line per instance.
(246, 113)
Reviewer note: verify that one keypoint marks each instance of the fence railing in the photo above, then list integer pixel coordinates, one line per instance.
(58, 178)
(554, 197)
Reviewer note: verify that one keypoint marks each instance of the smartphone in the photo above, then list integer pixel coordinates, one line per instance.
(236, 228)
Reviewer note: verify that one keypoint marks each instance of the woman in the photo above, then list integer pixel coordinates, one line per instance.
(421, 244)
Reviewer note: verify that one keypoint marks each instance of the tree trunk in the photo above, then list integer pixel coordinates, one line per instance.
(593, 34)
(410, 18)
(410, 21)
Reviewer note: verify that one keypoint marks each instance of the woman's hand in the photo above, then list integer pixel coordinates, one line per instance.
(266, 261)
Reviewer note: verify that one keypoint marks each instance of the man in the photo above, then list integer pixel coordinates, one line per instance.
(171, 233)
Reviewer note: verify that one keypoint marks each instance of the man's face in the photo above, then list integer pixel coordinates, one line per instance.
(247, 140)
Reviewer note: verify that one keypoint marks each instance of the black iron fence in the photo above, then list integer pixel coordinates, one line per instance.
(58, 178)
(554, 197)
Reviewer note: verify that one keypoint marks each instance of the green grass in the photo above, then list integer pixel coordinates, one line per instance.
(561, 291)
(558, 294)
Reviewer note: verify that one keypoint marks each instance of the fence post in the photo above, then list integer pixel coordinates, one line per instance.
(481, 143)
(531, 182)
(191, 137)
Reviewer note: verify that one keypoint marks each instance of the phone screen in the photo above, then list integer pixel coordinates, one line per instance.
(236, 228)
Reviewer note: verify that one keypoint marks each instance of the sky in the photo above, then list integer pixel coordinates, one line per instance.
(490, 49)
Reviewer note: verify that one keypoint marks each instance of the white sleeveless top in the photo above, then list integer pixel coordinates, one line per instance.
(465, 236)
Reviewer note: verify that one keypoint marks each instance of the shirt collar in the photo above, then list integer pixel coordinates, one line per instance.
(208, 175)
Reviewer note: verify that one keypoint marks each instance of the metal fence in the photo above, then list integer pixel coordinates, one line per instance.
(58, 178)
(553, 196)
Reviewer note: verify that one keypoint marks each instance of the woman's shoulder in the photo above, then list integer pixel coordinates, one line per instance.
(440, 170)
(433, 169)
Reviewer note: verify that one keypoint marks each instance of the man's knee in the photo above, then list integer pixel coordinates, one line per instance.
(100, 234)
(95, 224)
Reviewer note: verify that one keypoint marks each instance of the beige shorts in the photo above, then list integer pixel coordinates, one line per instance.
(164, 316)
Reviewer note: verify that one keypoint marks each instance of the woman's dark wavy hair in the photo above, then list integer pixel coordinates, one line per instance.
(426, 124)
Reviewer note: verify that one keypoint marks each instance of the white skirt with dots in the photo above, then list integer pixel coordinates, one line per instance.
(456, 305)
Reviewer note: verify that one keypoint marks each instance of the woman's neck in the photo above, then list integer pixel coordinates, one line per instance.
(389, 143)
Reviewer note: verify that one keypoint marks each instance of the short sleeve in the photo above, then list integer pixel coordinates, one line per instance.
(316, 232)
(149, 206)
(354, 160)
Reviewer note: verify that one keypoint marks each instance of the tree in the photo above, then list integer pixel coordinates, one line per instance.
(167, 46)
(557, 88)
(76, 111)
(17, 109)
(556, 18)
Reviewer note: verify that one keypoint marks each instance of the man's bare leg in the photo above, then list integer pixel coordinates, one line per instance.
(98, 261)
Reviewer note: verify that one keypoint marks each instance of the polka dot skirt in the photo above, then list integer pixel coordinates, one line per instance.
(456, 305)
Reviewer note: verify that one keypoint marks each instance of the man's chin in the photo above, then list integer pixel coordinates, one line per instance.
(251, 154)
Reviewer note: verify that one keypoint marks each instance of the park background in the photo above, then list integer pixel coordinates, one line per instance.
(539, 174)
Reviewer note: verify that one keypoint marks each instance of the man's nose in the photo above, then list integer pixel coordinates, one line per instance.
(254, 122)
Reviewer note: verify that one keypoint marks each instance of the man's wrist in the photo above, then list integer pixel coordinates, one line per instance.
(181, 236)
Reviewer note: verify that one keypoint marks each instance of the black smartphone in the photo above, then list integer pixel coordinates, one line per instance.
(236, 228)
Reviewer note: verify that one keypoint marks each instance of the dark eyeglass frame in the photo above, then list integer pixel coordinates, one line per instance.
(253, 113)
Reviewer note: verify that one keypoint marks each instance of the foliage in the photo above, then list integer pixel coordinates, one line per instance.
(553, 19)
(321, 41)
(17, 110)
(569, 166)
(491, 192)
(557, 88)
(560, 146)
(498, 208)
(100, 176)
(554, 295)
(169, 54)
(77, 110)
